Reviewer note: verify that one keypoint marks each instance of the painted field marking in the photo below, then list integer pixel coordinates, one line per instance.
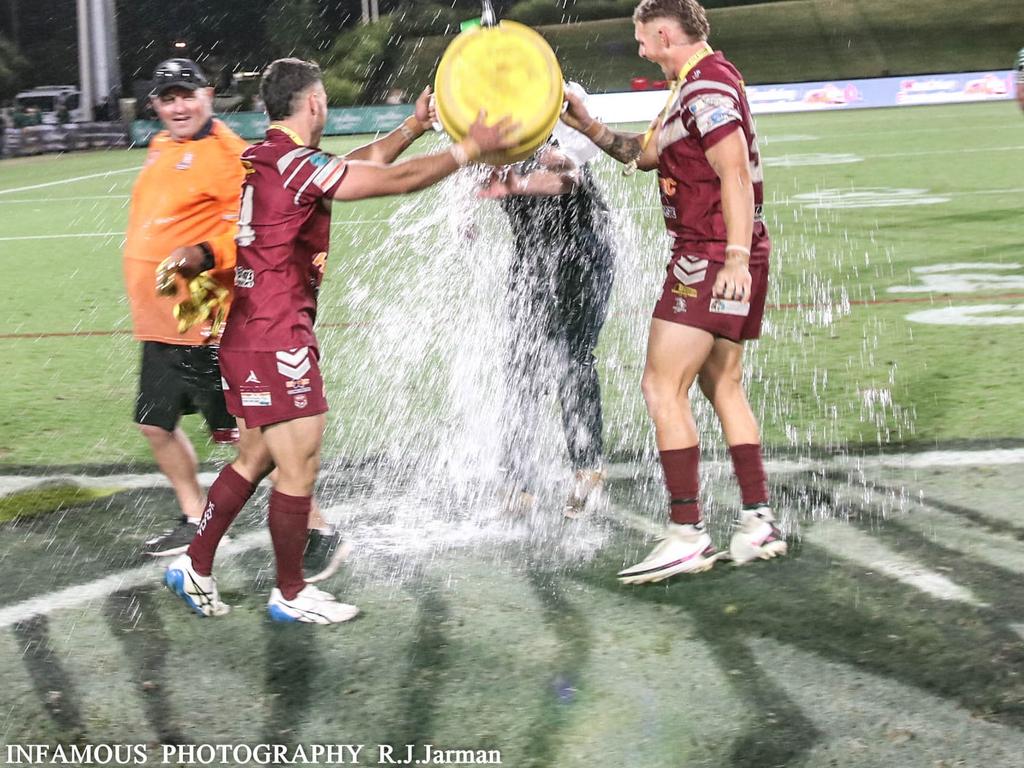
(817, 158)
(345, 223)
(83, 594)
(964, 277)
(856, 546)
(869, 554)
(72, 180)
(617, 471)
(974, 315)
(49, 200)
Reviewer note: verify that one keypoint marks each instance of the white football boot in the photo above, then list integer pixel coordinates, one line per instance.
(756, 537)
(682, 549)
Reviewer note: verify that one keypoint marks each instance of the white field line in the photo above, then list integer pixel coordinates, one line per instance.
(621, 471)
(845, 542)
(62, 237)
(83, 594)
(931, 152)
(72, 180)
(860, 548)
(924, 460)
(378, 222)
(343, 223)
(48, 200)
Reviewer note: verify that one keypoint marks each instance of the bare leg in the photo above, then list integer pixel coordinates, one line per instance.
(177, 459)
(721, 382)
(675, 354)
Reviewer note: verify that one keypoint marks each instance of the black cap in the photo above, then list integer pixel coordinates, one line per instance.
(177, 73)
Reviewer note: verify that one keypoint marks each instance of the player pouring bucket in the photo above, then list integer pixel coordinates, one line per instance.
(502, 68)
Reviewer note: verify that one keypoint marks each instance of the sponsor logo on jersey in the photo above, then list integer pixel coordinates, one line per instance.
(245, 278)
(300, 401)
(252, 378)
(682, 290)
(669, 212)
(256, 399)
(680, 306)
(297, 386)
(319, 160)
(727, 307)
(185, 163)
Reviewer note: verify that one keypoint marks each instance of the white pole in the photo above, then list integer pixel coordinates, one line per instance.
(374, 10)
(366, 11)
(85, 84)
(101, 61)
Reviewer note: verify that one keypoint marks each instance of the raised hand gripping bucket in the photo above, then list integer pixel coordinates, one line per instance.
(507, 69)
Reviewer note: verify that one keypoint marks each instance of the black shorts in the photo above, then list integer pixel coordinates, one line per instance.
(175, 380)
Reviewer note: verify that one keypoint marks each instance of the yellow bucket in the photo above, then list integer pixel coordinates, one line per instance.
(504, 70)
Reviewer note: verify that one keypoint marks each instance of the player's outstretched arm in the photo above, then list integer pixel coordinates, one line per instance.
(621, 145)
(537, 183)
(389, 147)
(556, 175)
(366, 179)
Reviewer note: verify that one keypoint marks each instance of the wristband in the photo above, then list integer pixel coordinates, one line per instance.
(595, 131)
(209, 262)
(739, 249)
(465, 152)
(411, 131)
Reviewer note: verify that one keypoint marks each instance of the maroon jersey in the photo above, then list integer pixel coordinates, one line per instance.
(283, 234)
(711, 104)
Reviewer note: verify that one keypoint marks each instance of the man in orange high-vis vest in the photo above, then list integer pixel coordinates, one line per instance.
(184, 212)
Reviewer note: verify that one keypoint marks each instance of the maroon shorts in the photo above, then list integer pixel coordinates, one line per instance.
(269, 387)
(686, 299)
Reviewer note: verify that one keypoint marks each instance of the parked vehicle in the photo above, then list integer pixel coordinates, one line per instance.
(53, 102)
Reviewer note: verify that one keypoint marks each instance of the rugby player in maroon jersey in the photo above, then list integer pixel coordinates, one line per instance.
(269, 353)
(704, 148)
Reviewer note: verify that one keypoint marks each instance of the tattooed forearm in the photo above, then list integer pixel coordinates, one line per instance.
(624, 147)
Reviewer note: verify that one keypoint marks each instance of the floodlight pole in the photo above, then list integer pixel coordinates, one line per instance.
(371, 11)
(98, 74)
(85, 70)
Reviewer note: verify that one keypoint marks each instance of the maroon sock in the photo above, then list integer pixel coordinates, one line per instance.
(288, 517)
(224, 501)
(749, 468)
(682, 478)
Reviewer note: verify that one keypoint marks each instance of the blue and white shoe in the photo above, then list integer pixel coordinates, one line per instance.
(310, 606)
(198, 592)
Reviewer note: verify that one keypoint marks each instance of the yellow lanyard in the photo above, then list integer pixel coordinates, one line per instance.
(677, 84)
(287, 132)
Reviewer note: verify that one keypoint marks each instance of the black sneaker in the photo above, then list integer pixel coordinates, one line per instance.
(172, 542)
(325, 553)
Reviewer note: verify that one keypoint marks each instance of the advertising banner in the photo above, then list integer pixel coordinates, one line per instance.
(828, 95)
(252, 125)
(643, 106)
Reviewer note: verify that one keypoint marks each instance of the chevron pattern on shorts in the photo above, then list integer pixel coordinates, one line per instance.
(293, 363)
(690, 270)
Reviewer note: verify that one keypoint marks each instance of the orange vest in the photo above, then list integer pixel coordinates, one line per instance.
(186, 194)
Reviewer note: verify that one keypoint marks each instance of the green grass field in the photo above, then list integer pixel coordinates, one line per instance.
(889, 636)
(783, 42)
(840, 365)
